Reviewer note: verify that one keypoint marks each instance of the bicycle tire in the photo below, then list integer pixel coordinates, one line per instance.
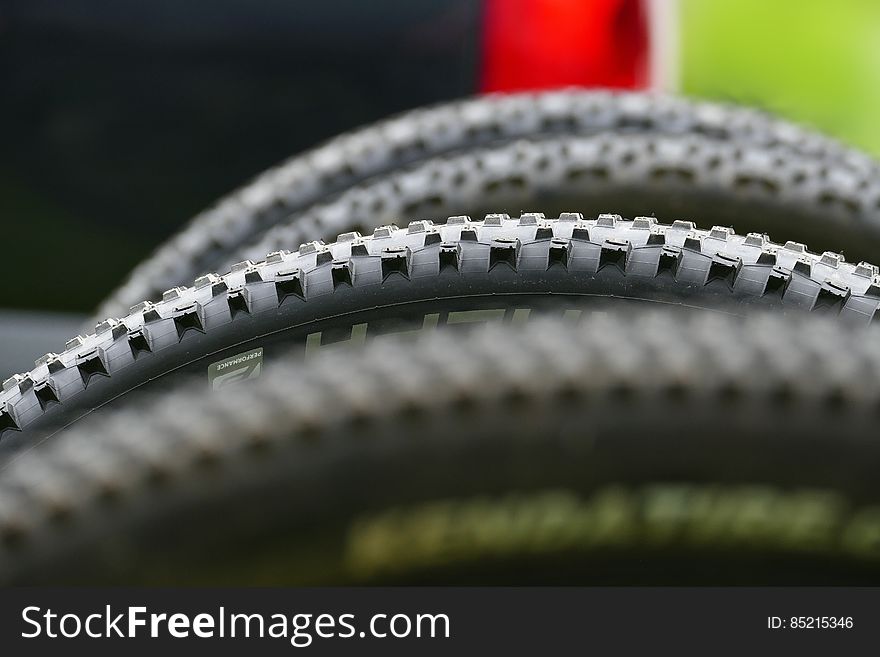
(395, 279)
(423, 133)
(722, 183)
(731, 450)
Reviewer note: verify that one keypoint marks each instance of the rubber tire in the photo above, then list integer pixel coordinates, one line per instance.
(726, 451)
(394, 279)
(423, 134)
(677, 177)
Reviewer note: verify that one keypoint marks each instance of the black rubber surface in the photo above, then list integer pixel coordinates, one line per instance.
(647, 448)
(786, 157)
(418, 277)
(754, 188)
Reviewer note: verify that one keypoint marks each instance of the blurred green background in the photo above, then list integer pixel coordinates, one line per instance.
(814, 61)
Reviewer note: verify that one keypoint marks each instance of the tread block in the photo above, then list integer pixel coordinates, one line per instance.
(188, 318)
(767, 257)
(113, 325)
(803, 266)
(832, 296)
(360, 249)
(468, 235)
(139, 342)
(504, 251)
(693, 243)
(46, 394)
(802, 293)
(418, 227)
(608, 220)
(90, 365)
(151, 314)
(682, 225)
(323, 257)
(777, 281)
(580, 233)
(530, 218)
(219, 287)
(340, 273)
(309, 247)
(395, 261)
(238, 302)
(669, 260)
(54, 364)
(253, 276)
(289, 283)
(614, 253)
(831, 259)
(74, 343)
(860, 308)
(866, 270)
(543, 233)
(433, 237)
(7, 421)
(724, 268)
(205, 281)
(175, 293)
(571, 216)
(720, 233)
(755, 239)
(450, 256)
(558, 253)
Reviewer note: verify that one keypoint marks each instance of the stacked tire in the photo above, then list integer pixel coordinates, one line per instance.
(527, 377)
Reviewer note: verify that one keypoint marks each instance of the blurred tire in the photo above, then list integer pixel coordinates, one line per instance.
(649, 448)
(216, 235)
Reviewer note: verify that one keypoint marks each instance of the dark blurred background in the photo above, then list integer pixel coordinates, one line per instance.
(122, 119)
